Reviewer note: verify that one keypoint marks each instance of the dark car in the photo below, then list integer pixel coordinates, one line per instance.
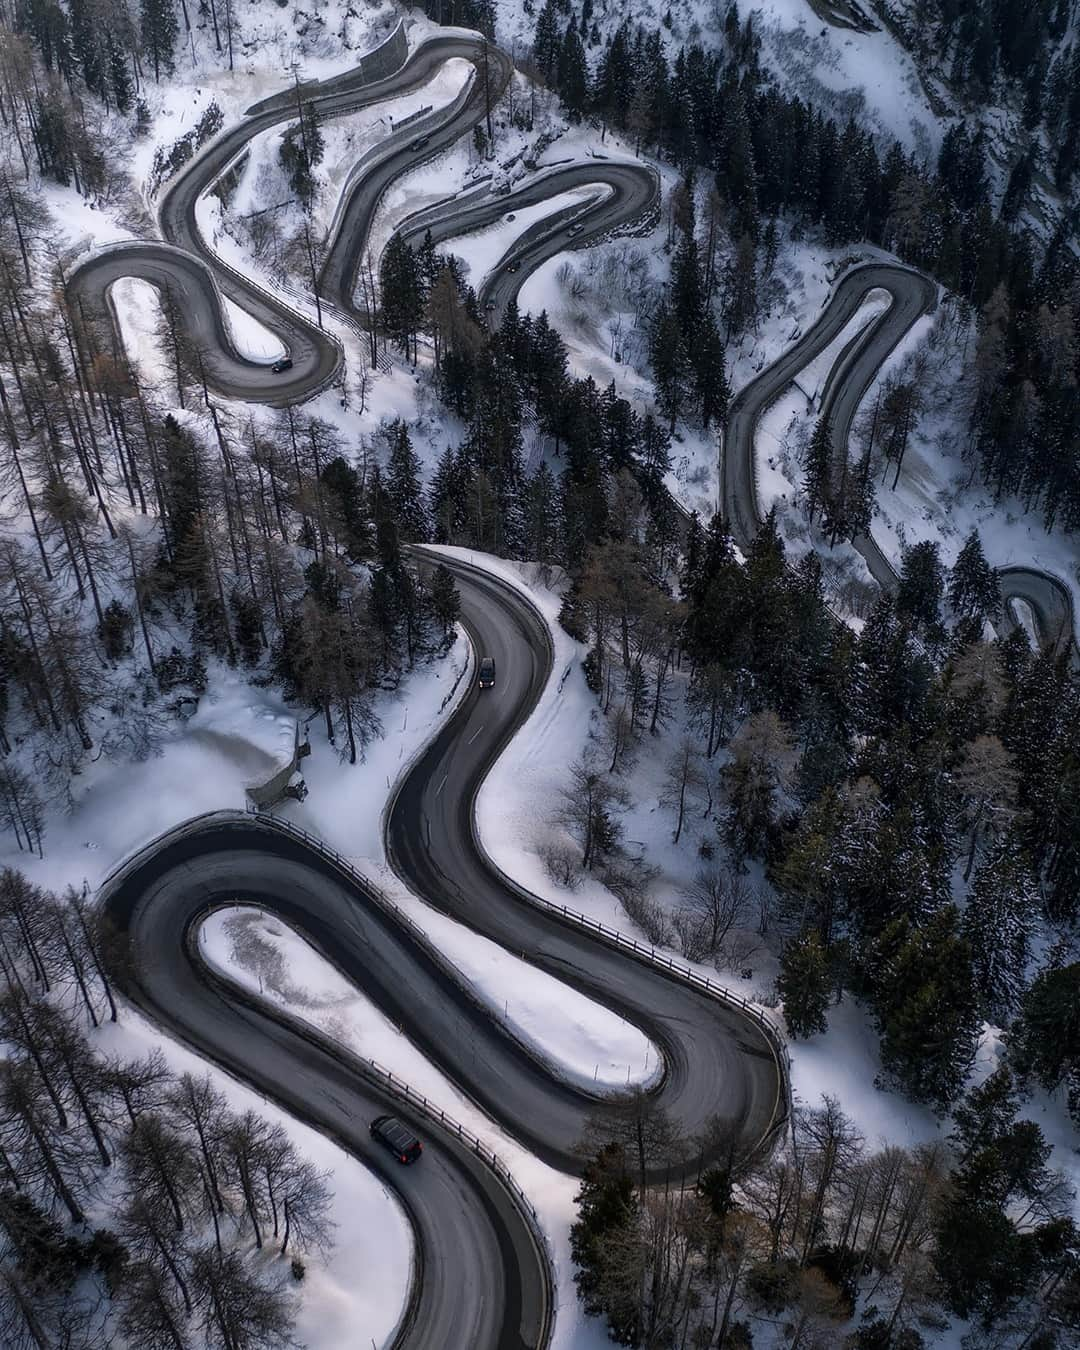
(402, 1143)
(513, 267)
(420, 143)
(486, 673)
(279, 367)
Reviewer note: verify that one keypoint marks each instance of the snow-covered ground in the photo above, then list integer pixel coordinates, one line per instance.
(582, 1042)
(868, 76)
(940, 496)
(482, 249)
(242, 943)
(205, 764)
(357, 1295)
(515, 807)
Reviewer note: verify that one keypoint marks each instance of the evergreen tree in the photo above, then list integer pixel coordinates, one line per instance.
(300, 152)
(983, 1114)
(402, 295)
(818, 467)
(687, 292)
(999, 922)
(713, 388)
(540, 517)
(921, 584)
(986, 1257)
(671, 371)
(810, 877)
(607, 1212)
(573, 75)
(445, 600)
(925, 1004)
(1045, 1041)
(159, 33)
(803, 984)
(404, 490)
(974, 587)
(546, 43)
(120, 81)
(895, 680)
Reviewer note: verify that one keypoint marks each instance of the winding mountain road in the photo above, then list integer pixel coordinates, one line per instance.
(187, 267)
(911, 295)
(482, 1278)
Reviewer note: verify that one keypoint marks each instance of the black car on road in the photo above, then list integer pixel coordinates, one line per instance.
(279, 367)
(486, 674)
(420, 143)
(402, 1143)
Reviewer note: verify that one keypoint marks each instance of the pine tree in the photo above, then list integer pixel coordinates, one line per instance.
(606, 1222)
(818, 467)
(1045, 1041)
(803, 984)
(573, 75)
(925, 1004)
(300, 152)
(974, 587)
(921, 584)
(808, 877)
(540, 518)
(671, 372)
(445, 600)
(123, 90)
(687, 294)
(402, 296)
(546, 43)
(403, 487)
(159, 32)
(713, 388)
(449, 486)
(999, 922)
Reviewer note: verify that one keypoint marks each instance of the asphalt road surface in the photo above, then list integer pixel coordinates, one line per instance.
(482, 1279)
(196, 278)
(911, 296)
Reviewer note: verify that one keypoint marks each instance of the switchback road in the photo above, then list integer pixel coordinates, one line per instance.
(482, 1278)
(911, 295)
(195, 277)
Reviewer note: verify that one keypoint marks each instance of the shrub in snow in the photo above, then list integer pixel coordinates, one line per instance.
(562, 865)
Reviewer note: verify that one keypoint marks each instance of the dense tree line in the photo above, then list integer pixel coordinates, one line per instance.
(839, 1243)
(1021, 52)
(157, 542)
(861, 771)
(770, 155)
(192, 1182)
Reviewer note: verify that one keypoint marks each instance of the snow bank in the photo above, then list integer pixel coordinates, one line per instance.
(577, 1038)
(312, 990)
(356, 1297)
(481, 250)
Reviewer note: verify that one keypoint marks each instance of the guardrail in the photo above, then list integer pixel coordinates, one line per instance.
(482, 1151)
(610, 936)
(365, 1064)
(613, 937)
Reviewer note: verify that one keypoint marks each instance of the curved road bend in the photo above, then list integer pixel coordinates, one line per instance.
(719, 1066)
(482, 1282)
(479, 1280)
(912, 295)
(196, 282)
(632, 191)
